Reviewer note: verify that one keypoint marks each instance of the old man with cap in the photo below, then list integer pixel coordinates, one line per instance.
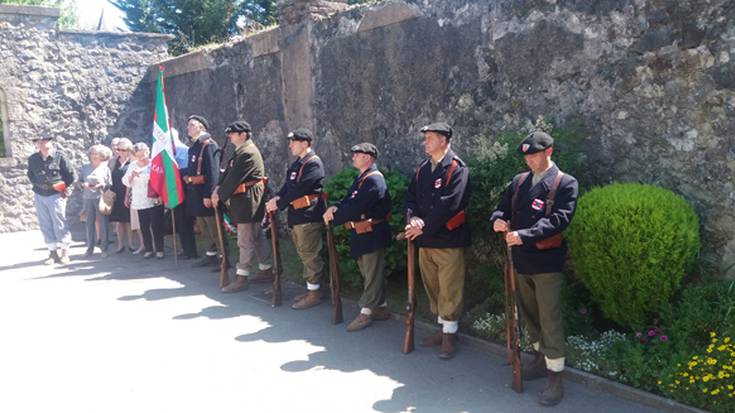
(201, 176)
(536, 207)
(365, 213)
(243, 189)
(51, 175)
(436, 200)
(302, 195)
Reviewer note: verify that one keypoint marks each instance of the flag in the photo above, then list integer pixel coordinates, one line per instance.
(165, 178)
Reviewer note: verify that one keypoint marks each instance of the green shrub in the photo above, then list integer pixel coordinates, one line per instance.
(493, 164)
(395, 259)
(631, 244)
(703, 307)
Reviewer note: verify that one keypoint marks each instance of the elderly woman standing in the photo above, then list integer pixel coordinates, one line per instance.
(120, 214)
(95, 178)
(150, 210)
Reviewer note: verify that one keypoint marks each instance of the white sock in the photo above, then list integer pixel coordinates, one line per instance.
(555, 365)
(312, 287)
(366, 311)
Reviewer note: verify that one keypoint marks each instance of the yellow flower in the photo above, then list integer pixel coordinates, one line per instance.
(712, 334)
(721, 347)
(726, 340)
(711, 361)
(715, 392)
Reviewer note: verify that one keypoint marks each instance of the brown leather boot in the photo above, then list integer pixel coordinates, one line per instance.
(434, 340)
(262, 276)
(299, 297)
(535, 369)
(311, 299)
(240, 283)
(380, 314)
(448, 348)
(360, 322)
(554, 391)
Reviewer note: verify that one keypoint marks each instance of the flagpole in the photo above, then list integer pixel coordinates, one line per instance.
(173, 237)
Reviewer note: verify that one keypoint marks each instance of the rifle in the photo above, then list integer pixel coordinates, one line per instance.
(408, 338)
(335, 278)
(224, 277)
(277, 264)
(512, 327)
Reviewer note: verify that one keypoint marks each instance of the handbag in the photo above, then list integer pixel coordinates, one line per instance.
(107, 200)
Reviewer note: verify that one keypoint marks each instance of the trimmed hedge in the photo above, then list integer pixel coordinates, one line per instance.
(631, 244)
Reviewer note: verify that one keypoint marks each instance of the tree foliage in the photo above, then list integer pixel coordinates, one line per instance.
(196, 22)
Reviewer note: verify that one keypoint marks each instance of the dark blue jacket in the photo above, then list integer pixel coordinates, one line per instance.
(310, 181)
(369, 199)
(436, 201)
(195, 194)
(531, 223)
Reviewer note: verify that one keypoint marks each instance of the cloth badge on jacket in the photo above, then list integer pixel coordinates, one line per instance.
(537, 204)
(293, 175)
(438, 183)
(193, 158)
(354, 193)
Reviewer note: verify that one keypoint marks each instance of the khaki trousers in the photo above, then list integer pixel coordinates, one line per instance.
(209, 228)
(540, 305)
(372, 268)
(443, 271)
(252, 243)
(307, 239)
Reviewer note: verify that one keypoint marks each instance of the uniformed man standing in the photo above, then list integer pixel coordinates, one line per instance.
(365, 212)
(51, 175)
(200, 177)
(302, 194)
(243, 188)
(436, 200)
(535, 208)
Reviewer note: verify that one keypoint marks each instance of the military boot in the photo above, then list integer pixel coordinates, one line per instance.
(554, 390)
(535, 369)
(312, 298)
(448, 347)
(433, 340)
(240, 283)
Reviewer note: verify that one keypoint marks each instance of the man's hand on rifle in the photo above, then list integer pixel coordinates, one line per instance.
(500, 226)
(214, 200)
(329, 214)
(271, 205)
(512, 238)
(414, 228)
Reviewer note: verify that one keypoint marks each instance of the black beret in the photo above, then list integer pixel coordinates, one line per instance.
(438, 127)
(301, 134)
(200, 119)
(535, 142)
(237, 127)
(365, 147)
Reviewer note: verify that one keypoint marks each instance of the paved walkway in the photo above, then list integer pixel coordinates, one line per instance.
(125, 334)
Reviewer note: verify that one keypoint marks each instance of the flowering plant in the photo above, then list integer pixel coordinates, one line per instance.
(707, 379)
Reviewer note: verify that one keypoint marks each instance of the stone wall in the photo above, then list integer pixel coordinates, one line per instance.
(78, 87)
(652, 81)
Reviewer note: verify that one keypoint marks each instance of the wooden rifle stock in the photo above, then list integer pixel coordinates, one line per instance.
(277, 263)
(224, 277)
(408, 338)
(334, 276)
(513, 330)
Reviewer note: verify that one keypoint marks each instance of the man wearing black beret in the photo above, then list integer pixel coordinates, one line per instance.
(534, 210)
(436, 200)
(201, 175)
(365, 213)
(302, 194)
(243, 189)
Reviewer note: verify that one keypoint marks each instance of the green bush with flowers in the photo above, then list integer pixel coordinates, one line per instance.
(707, 379)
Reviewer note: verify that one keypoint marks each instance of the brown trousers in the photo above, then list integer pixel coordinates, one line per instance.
(443, 272)
(307, 239)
